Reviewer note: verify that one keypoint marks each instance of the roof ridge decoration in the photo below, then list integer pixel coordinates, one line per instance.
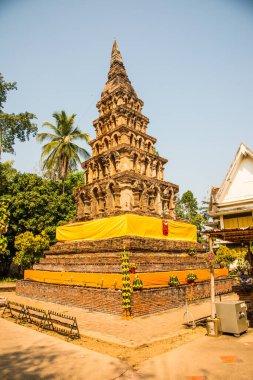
(242, 151)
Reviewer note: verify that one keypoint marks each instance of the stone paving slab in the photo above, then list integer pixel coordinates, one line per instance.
(131, 333)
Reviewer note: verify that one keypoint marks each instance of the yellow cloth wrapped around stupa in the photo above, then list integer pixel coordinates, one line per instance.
(114, 280)
(126, 225)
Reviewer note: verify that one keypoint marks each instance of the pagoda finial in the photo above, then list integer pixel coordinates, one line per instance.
(117, 75)
(115, 44)
(116, 56)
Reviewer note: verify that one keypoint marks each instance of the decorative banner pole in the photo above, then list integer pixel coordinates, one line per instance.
(212, 322)
(126, 285)
(212, 290)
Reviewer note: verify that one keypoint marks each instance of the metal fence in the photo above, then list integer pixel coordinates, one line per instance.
(44, 319)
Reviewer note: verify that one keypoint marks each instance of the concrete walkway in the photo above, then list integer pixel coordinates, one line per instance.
(28, 354)
(130, 333)
(207, 358)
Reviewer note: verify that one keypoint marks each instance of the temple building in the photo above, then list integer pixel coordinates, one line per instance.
(125, 208)
(231, 205)
(125, 174)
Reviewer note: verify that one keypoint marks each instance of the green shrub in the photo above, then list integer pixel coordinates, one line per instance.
(174, 281)
(191, 277)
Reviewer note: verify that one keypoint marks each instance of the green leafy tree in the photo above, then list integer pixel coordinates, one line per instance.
(225, 256)
(73, 180)
(187, 209)
(233, 258)
(204, 208)
(187, 206)
(29, 248)
(7, 174)
(38, 204)
(4, 221)
(13, 126)
(35, 205)
(61, 154)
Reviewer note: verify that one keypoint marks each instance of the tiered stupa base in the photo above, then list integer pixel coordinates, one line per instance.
(87, 273)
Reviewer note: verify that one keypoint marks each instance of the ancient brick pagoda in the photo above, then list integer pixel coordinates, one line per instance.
(125, 174)
(124, 202)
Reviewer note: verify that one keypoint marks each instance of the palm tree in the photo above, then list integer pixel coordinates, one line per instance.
(61, 154)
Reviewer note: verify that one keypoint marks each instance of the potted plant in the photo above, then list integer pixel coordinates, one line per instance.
(137, 283)
(174, 281)
(191, 278)
(243, 267)
(132, 267)
(192, 252)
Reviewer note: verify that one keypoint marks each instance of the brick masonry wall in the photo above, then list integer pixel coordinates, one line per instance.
(148, 301)
(103, 300)
(148, 262)
(245, 293)
(104, 256)
(132, 244)
(158, 300)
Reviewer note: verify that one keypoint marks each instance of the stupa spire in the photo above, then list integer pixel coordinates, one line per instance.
(116, 55)
(117, 67)
(117, 76)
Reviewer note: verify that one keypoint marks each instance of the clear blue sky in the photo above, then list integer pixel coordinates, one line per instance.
(190, 61)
